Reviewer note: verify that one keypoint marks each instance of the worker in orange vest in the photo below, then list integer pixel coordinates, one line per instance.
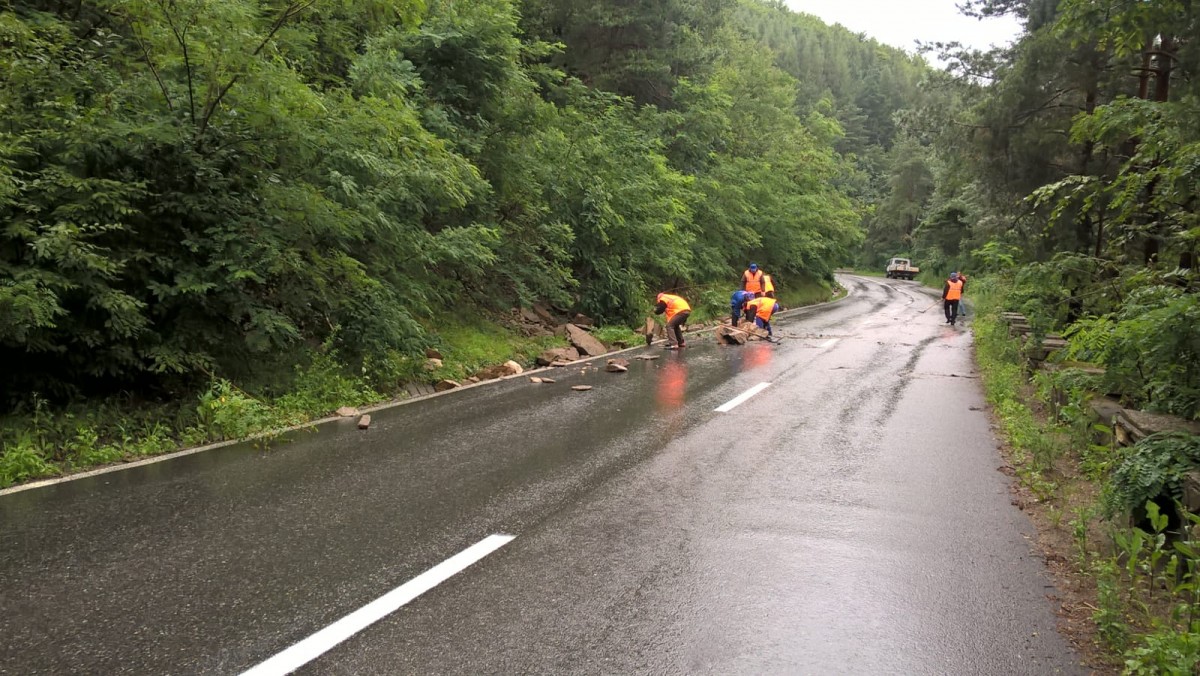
(677, 311)
(752, 279)
(952, 292)
(764, 308)
(768, 286)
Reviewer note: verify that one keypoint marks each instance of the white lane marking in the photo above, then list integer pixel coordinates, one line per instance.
(314, 646)
(741, 398)
(829, 343)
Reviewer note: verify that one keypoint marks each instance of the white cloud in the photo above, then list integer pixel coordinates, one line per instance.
(901, 23)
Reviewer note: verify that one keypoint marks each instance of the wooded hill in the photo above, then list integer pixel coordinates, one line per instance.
(193, 189)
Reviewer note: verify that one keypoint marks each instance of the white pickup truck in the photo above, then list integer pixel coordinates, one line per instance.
(901, 268)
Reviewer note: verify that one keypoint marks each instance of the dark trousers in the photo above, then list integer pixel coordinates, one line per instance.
(735, 313)
(951, 307)
(675, 328)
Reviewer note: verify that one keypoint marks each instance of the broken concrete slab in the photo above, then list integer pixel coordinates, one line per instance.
(364, 422)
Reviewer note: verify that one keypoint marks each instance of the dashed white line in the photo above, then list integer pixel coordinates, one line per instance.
(829, 343)
(741, 398)
(321, 642)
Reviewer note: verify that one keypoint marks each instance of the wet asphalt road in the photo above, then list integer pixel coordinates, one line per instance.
(847, 519)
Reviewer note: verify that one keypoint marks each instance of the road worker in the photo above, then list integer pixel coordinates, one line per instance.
(764, 308)
(752, 279)
(737, 306)
(952, 292)
(768, 286)
(677, 311)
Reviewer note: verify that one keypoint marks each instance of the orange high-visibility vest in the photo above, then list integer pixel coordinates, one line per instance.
(752, 280)
(768, 285)
(675, 304)
(954, 292)
(763, 308)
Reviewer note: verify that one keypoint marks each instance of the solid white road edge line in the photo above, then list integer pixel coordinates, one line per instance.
(741, 398)
(828, 343)
(314, 646)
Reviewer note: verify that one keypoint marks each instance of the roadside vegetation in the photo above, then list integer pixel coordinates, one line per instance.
(1061, 175)
(219, 217)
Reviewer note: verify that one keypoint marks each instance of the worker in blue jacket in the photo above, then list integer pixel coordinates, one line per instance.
(737, 306)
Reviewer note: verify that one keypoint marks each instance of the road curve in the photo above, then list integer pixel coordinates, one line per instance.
(846, 518)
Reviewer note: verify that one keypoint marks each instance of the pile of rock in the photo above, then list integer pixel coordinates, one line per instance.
(740, 335)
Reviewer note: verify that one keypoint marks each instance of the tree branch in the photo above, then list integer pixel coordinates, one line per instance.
(291, 11)
(150, 62)
(187, 63)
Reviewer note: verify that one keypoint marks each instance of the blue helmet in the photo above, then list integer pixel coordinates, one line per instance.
(753, 267)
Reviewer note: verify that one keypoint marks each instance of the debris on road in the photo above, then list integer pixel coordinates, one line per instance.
(581, 388)
(347, 411)
(364, 422)
(513, 367)
(557, 354)
(535, 379)
(648, 357)
(548, 381)
(585, 342)
(617, 366)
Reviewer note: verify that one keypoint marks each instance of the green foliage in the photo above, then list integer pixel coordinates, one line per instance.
(1153, 467)
(22, 460)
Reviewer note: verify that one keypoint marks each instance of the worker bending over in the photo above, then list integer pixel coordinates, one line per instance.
(764, 308)
(738, 308)
(677, 311)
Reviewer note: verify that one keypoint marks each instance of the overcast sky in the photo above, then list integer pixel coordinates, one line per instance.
(902, 22)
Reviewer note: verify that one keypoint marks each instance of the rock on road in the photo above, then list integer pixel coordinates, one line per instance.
(829, 504)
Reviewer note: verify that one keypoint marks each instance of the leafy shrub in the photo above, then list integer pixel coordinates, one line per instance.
(226, 412)
(23, 460)
(1153, 467)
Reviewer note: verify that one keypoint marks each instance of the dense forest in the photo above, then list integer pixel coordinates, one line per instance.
(1070, 162)
(195, 189)
(221, 216)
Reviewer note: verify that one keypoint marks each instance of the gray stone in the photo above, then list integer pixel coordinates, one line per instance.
(584, 341)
